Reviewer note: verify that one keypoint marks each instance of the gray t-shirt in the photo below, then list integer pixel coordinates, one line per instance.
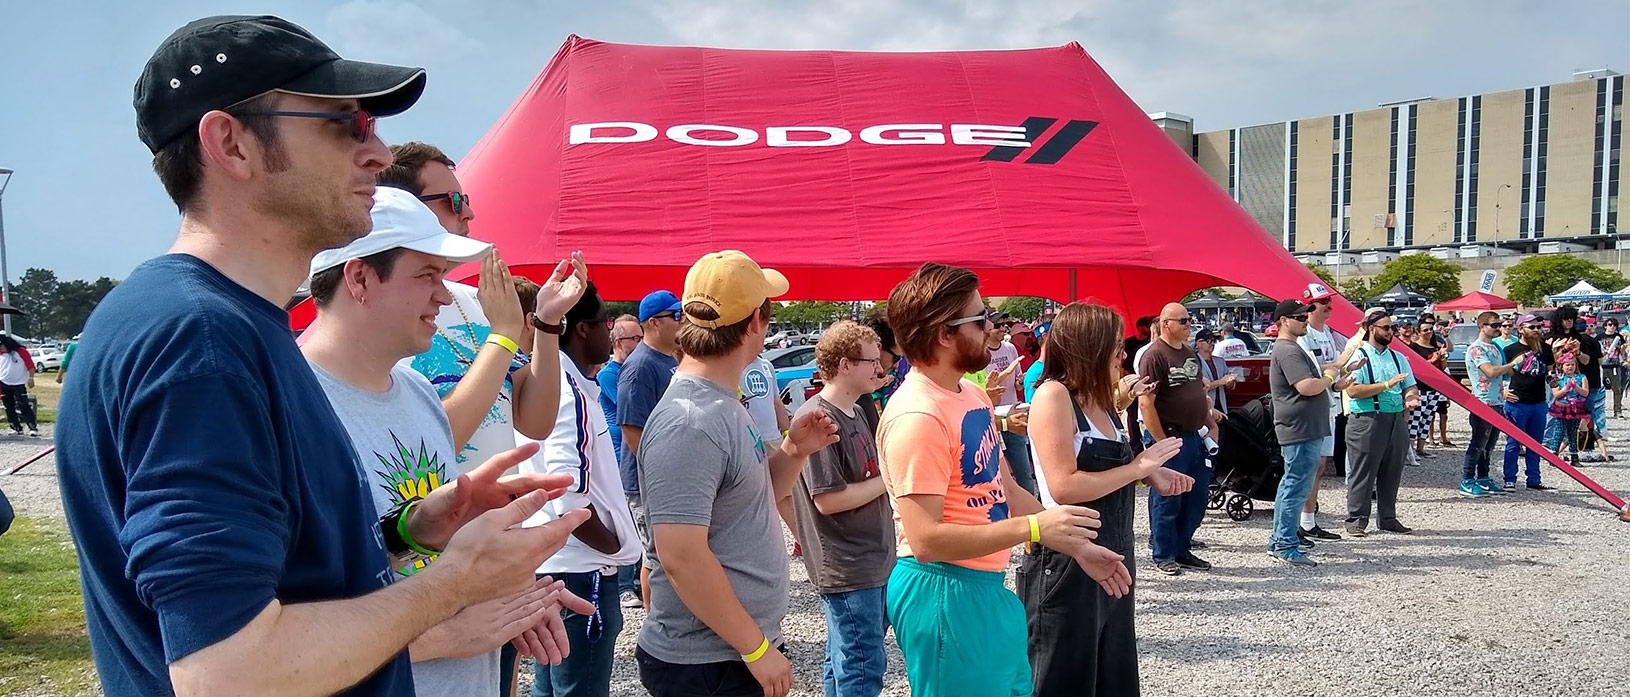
(852, 550)
(1296, 418)
(702, 462)
(406, 448)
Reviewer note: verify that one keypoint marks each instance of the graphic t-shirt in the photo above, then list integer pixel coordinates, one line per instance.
(405, 444)
(1528, 375)
(1478, 354)
(1000, 358)
(1180, 396)
(1325, 347)
(1589, 346)
(759, 395)
(204, 474)
(850, 550)
(1297, 418)
(942, 443)
(461, 329)
(640, 386)
(1233, 347)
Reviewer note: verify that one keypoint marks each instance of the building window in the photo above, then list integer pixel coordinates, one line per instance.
(1409, 178)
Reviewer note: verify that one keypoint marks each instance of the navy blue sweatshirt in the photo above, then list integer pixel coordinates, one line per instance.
(205, 474)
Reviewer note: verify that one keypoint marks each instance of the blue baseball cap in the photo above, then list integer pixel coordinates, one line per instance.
(657, 303)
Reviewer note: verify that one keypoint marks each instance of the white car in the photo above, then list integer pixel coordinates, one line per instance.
(47, 358)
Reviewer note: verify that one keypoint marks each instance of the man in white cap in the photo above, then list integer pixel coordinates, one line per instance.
(718, 568)
(376, 301)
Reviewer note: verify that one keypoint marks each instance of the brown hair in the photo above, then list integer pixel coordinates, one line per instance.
(327, 282)
(527, 290)
(842, 340)
(921, 305)
(180, 164)
(1485, 317)
(701, 342)
(1081, 350)
(406, 161)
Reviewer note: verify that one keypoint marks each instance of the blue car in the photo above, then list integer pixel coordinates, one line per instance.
(1460, 336)
(792, 363)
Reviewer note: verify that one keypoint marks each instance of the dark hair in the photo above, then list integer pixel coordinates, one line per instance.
(921, 305)
(180, 164)
(327, 282)
(1484, 317)
(701, 342)
(1146, 321)
(407, 159)
(586, 310)
(1081, 352)
(10, 343)
(880, 325)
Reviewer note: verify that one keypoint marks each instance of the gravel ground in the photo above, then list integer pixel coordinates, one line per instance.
(1515, 595)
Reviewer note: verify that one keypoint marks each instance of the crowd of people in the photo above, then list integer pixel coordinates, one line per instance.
(436, 479)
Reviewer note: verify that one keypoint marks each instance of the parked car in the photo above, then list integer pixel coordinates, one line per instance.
(790, 364)
(774, 340)
(1461, 336)
(46, 357)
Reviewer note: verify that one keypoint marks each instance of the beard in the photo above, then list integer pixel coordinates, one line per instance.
(971, 356)
(1383, 340)
(321, 215)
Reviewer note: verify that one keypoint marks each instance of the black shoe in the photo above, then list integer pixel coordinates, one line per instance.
(1170, 568)
(1318, 533)
(1189, 561)
(1197, 545)
(1396, 527)
(1541, 487)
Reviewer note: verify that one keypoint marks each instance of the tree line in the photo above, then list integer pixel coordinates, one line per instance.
(55, 309)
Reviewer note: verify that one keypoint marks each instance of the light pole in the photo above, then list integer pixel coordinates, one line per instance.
(5, 277)
(1497, 191)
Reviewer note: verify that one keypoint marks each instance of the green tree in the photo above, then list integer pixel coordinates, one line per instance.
(618, 308)
(34, 294)
(812, 314)
(1425, 274)
(1356, 290)
(1529, 281)
(1323, 274)
(1196, 295)
(1022, 307)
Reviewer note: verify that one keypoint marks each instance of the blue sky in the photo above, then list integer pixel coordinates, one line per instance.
(85, 203)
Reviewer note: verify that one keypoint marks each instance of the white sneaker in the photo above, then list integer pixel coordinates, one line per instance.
(34, 433)
(630, 599)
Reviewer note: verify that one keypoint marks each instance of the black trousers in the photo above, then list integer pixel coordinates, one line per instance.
(723, 679)
(1082, 642)
(19, 410)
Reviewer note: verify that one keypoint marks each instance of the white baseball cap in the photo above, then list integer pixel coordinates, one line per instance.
(402, 220)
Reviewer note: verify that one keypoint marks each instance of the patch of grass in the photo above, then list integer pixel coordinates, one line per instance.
(43, 646)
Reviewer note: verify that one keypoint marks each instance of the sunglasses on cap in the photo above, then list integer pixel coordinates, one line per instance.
(362, 122)
(457, 199)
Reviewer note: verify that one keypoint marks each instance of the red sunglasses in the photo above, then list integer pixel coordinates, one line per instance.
(362, 122)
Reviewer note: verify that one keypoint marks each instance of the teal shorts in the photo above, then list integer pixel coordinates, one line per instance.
(962, 632)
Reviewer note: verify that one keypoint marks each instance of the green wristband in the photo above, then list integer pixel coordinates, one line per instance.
(402, 531)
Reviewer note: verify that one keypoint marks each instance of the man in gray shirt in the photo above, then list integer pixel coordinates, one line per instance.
(1301, 421)
(718, 567)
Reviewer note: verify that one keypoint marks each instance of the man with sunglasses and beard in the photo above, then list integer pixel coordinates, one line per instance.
(222, 520)
(1301, 423)
(1177, 408)
(1378, 427)
(962, 632)
(1525, 397)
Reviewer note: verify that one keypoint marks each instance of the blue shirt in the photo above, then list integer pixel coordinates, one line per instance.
(1487, 389)
(1383, 364)
(204, 474)
(607, 380)
(1031, 376)
(645, 376)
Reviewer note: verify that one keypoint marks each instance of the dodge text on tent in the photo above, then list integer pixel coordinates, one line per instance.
(802, 136)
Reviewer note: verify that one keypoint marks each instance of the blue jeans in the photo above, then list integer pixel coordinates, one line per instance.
(587, 671)
(1301, 464)
(1480, 451)
(1173, 519)
(855, 659)
(1017, 449)
(1531, 419)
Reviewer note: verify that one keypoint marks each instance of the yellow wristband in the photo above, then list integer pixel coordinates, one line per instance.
(757, 653)
(1035, 528)
(505, 342)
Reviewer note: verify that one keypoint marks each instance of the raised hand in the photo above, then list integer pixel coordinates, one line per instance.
(563, 289)
(498, 299)
(1155, 456)
(810, 432)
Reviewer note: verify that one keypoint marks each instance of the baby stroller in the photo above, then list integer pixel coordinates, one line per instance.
(1248, 464)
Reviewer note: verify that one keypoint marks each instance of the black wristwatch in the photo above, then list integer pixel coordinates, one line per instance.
(545, 327)
(390, 527)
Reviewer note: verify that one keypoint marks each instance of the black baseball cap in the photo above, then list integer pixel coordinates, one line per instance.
(216, 62)
(1286, 308)
(1206, 334)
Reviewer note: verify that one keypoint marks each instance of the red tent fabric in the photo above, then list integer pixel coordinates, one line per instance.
(847, 170)
(1475, 301)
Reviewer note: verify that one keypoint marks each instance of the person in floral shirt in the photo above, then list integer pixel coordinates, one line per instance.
(1487, 367)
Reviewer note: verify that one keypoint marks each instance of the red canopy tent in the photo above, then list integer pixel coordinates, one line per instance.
(1475, 301)
(847, 170)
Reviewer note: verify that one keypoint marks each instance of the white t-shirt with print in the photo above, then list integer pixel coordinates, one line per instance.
(461, 329)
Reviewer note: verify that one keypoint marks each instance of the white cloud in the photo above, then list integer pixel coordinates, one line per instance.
(390, 31)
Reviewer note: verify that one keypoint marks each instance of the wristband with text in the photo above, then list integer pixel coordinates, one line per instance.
(757, 653)
(504, 342)
(1035, 528)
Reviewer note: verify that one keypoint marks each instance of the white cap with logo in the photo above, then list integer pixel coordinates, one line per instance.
(402, 220)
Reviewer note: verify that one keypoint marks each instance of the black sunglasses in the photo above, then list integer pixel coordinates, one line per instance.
(981, 319)
(362, 122)
(1184, 320)
(1300, 318)
(459, 200)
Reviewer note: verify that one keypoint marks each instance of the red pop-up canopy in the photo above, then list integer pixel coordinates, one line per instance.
(847, 170)
(1475, 301)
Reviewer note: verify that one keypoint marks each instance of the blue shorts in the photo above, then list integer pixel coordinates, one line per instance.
(961, 630)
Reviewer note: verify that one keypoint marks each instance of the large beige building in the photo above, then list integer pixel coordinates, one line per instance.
(1522, 171)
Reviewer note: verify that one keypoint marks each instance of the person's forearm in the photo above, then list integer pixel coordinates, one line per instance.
(850, 497)
(1367, 390)
(537, 394)
(1151, 417)
(1312, 386)
(431, 645)
(784, 471)
(1020, 502)
(472, 398)
(1077, 487)
(943, 541)
(701, 584)
(319, 648)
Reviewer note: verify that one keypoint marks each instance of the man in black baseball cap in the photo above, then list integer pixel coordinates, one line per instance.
(227, 542)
